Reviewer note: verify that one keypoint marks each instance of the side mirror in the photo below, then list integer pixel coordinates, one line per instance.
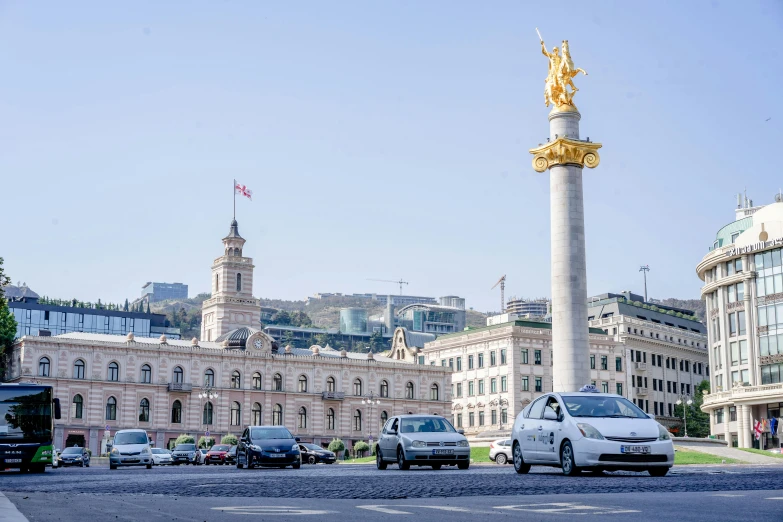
(297, 439)
(549, 414)
(392, 432)
(57, 411)
(461, 432)
(651, 416)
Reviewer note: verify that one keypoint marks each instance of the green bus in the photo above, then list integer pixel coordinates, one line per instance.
(27, 413)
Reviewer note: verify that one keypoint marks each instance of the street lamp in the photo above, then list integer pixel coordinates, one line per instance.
(371, 400)
(684, 402)
(208, 392)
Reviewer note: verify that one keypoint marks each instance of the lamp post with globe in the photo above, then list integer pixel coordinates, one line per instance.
(371, 400)
(685, 402)
(209, 394)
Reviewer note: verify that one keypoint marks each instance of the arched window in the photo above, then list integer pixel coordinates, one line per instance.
(207, 413)
(302, 418)
(357, 387)
(277, 382)
(256, 381)
(302, 384)
(43, 367)
(111, 408)
(209, 377)
(357, 420)
(217, 282)
(146, 374)
(78, 369)
(78, 407)
(114, 372)
(179, 375)
(176, 412)
(434, 392)
(236, 380)
(277, 415)
(239, 282)
(384, 418)
(256, 414)
(144, 411)
(384, 388)
(409, 390)
(236, 414)
(330, 419)
(330, 384)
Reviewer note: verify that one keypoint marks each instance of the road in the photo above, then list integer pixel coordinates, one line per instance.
(360, 492)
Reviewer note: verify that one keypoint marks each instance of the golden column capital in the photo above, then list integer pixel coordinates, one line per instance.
(566, 151)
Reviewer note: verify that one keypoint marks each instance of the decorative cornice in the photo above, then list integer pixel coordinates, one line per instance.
(566, 151)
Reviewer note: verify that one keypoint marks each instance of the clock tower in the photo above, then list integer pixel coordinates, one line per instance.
(232, 304)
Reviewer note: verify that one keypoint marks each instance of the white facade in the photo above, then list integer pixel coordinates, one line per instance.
(743, 287)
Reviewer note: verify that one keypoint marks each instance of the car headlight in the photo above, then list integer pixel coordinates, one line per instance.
(255, 448)
(663, 433)
(462, 443)
(418, 444)
(146, 451)
(295, 447)
(589, 432)
(78, 458)
(115, 451)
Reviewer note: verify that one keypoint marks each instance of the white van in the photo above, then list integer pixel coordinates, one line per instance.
(131, 448)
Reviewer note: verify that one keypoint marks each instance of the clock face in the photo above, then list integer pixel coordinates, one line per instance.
(258, 343)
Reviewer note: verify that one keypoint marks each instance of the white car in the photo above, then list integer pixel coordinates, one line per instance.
(589, 431)
(161, 456)
(500, 451)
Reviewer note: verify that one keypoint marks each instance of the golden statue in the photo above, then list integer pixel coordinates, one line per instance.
(560, 77)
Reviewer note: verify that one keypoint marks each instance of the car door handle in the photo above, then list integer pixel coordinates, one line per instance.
(522, 427)
(540, 428)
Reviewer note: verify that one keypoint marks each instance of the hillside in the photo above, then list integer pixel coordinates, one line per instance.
(697, 305)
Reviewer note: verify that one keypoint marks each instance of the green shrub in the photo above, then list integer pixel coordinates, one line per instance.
(206, 442)
(336, 445)
(361, 446)
(185, 439)
(229, 439)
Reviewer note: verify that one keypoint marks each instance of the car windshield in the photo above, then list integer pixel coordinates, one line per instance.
(220, 447)
(602, 406)
(72, 451)
(425, 425)
(185, 447)
(270, 433)
(130, 437)
(157, 451)
(233, 450)
(313, 447)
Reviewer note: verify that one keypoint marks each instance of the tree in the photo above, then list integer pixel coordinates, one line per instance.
(322, 339)
(7, 321)
(698, 421)
(288, 338)
(360, 447)
(185, 439)
(206, 442)
(126, 304)
(281, 317)
(376, 341)
(148, 307)
(336, 446)
(229, 439)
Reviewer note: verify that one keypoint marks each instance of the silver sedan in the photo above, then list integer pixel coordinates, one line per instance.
(421, 440)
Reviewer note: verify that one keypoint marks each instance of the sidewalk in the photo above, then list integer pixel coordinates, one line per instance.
(731, 453)
(8, 512)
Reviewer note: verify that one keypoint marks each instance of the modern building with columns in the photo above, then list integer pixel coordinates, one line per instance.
(743, 288)
(113, 382)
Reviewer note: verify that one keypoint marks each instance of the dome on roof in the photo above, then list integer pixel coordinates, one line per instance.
(237, 338)
(130, 336)
(343, 353)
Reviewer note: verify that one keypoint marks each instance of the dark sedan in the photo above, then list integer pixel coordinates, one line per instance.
(268, 446)
(231, 455)
(313, 454)
(75, 456)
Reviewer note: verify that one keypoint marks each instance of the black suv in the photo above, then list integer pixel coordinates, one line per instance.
(272, 446)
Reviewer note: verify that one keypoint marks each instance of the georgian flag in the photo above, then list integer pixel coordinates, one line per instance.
(242, 189)
(757, 430)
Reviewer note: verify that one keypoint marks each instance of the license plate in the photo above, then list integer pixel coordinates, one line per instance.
(443, 452)
(12, 461)
(277, 455)
(634, 449)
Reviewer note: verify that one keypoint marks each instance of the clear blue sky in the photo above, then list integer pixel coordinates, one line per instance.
(381, 140)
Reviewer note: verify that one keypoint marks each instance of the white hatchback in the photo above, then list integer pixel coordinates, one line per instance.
(161, 456)
(589, 431)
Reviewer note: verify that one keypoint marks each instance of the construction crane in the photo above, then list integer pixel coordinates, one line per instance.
(502, 283)
(400, 282)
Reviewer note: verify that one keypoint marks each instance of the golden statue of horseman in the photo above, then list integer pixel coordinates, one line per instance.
(560, 77)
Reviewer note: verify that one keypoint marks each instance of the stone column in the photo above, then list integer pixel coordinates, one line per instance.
(743, 426)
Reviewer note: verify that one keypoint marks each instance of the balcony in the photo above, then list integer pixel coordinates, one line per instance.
(758, 394)
(180, 387)
(641, 366)
(333, 396)
(641, 392)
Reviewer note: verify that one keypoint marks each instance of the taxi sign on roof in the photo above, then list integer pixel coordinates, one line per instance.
(588, 388)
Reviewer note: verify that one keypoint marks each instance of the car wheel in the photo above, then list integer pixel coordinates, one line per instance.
(112, 466)
(401, 462)
(81, 465)
(297, 465)
(501, 459)
(379, 462)
(519, 462)
(311, 459)
(658, 472)
(436, 467)
(206, 463)
(239, 464)
(567, 460)
(149, 466)
(463, 465)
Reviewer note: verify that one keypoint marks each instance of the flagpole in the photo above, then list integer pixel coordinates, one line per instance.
(234, 190)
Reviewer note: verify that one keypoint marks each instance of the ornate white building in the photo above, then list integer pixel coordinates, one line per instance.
(115, 382)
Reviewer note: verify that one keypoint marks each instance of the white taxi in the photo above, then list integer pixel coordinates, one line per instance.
(589, 431)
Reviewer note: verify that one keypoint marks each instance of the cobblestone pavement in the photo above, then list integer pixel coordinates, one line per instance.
(360, 481)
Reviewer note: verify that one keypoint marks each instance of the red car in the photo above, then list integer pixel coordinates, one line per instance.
(217, 454)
